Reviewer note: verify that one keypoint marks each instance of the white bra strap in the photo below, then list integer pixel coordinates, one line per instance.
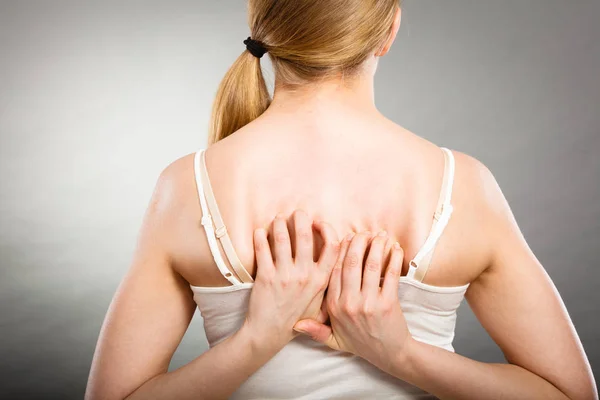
(220, 229)
(208, 226)
(419, 265)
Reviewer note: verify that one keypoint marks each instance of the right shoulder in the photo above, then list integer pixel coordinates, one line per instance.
(481, 206)
(477, 178)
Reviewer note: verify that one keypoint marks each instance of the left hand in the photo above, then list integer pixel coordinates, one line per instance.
(289, 287)
(366, 320)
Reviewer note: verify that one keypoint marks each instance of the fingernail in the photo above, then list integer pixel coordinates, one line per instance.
(382, 233)
(350, 236)
(397, 246)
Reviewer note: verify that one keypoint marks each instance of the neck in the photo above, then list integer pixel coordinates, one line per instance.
(336, 95)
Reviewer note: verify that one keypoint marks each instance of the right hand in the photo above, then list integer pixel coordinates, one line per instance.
(366, 319)
(288, 288)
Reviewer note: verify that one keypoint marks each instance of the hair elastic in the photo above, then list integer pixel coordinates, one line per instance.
(255, 47)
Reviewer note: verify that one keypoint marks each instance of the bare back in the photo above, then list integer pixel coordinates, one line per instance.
(357, 173)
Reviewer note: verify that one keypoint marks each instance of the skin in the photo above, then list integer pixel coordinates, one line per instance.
(327, 150)
(365, 318)
(296, 287)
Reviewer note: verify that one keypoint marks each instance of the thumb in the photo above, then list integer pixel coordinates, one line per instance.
(319, 332)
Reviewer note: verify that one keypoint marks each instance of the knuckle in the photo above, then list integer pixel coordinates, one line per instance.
(267, 279)
(303, 279)
(367, 309)
(281, 237)
(349, 308)
(305, 236)
(352, 260)
(394, 270)
(372, 266)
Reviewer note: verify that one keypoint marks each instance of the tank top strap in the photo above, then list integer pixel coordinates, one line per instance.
(420, 263)
(219, 226)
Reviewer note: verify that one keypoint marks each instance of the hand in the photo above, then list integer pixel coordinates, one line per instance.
(366, 320)
(288, 288)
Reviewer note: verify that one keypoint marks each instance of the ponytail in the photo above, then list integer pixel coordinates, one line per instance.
(241, 98)
(308, 43)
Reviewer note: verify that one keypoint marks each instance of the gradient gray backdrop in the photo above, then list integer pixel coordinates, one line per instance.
(97, 97)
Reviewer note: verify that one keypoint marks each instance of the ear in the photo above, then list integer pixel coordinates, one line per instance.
(390, 40)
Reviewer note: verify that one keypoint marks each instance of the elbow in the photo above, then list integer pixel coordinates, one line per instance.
(586, 391)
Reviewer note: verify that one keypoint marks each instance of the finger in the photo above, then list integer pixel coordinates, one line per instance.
(303, 236)
(319, 332)
(392, 274)
(281, 239)
(331, 246)
(264, 259)
(335, 280)
(353, 263)
(323, 313)
(372, 271)
(386, 259)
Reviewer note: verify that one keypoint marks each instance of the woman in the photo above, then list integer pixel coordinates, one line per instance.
(322, 146)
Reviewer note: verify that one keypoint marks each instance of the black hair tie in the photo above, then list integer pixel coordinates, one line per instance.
(255, 47)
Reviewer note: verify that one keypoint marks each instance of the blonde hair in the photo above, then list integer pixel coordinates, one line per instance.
(307, 40)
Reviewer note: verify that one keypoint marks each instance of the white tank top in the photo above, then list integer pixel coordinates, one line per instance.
(305, 369)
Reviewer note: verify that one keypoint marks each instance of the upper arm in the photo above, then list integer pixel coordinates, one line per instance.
(150, 311)
(518, 305)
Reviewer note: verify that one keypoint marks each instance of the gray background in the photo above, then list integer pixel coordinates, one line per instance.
(96, 98)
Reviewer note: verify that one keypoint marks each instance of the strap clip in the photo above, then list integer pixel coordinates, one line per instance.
(206, 221)
(221, 231)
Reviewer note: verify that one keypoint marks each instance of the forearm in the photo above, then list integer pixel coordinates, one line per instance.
(215, 374)
(448, 375)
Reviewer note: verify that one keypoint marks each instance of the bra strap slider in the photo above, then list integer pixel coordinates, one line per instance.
(222, 231)
(206, 221)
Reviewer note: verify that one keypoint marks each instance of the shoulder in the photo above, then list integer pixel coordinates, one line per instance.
(480, 205)
(173, 202)
(174, 182)
(475, 177)
(481, 189)
(498, 223)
